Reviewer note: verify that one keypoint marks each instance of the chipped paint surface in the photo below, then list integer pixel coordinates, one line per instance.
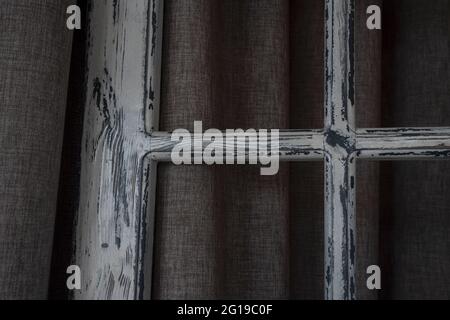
(339, 146)
(294, 145)
(122, 84)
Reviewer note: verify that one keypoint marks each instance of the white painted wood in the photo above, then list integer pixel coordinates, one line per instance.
(112, 231)
(403, 143)
(115, 221)
(339, 146)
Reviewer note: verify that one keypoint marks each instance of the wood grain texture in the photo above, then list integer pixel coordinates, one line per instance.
(113, 231)
(403, 143)
(308, 145)
(339, 145)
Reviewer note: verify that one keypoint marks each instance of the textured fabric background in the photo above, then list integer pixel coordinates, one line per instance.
(227, 232)
(34, 58)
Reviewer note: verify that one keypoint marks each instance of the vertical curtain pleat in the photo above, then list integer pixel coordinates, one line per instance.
(416, 222)
(187, 226)
(306, 179)
(34, 58)
(226, 231)
(255, 75)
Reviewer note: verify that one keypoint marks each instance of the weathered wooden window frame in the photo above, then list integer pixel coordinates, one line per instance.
(115, 220)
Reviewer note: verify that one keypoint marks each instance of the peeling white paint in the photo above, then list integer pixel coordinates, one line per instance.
(121, 148)
(339, 145)
(112, 228)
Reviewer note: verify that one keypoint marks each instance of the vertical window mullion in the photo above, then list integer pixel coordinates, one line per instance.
(339, 145)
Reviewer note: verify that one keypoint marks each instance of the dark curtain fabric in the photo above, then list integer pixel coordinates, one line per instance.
(34, 67)
(416, 222)
(226, 231)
